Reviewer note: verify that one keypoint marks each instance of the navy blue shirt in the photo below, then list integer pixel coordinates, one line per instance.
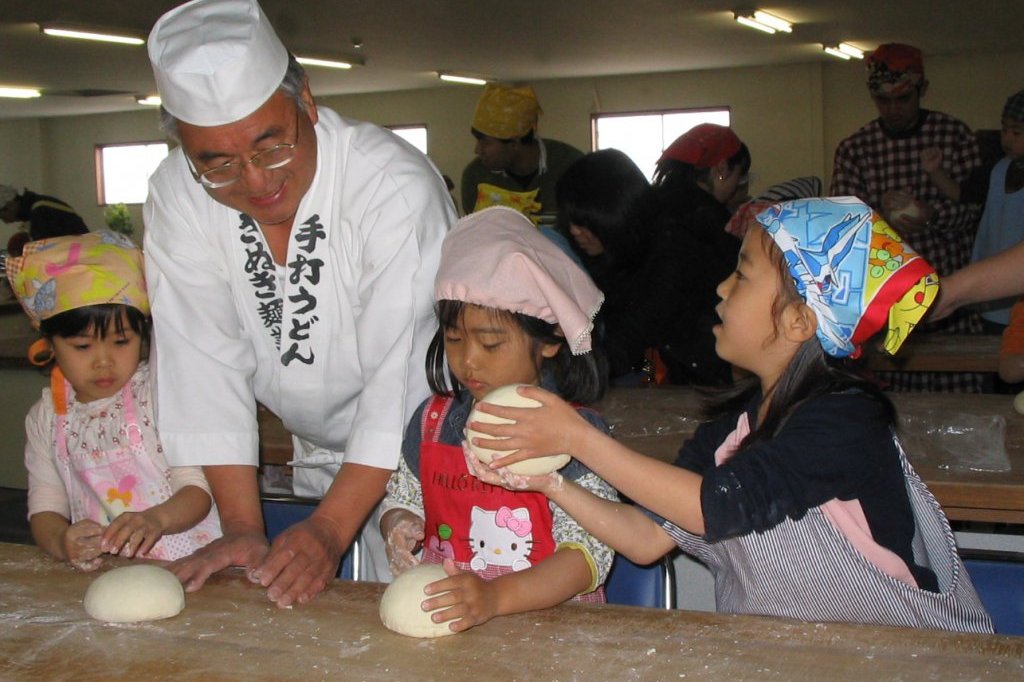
(838, 445)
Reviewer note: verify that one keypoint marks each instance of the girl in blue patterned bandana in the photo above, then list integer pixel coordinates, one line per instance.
(796, 494)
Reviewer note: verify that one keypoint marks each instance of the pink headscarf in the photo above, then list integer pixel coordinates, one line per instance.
(496, 258)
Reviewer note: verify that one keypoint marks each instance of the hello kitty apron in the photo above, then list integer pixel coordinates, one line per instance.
(102, 484)
(484, 528)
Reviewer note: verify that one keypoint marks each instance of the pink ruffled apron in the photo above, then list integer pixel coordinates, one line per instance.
(102, 484)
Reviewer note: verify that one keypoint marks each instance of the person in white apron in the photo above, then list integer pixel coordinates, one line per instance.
(98, 480)
(290, 255)
(797, 496)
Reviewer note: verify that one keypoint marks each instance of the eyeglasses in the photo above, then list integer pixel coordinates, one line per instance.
(268, 159)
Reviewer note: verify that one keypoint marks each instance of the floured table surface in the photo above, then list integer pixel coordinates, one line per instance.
(229, 631)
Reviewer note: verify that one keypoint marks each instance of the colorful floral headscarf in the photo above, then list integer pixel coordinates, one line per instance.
(55, 275)
(853, 270)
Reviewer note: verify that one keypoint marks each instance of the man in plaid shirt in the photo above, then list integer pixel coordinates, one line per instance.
(880, 164)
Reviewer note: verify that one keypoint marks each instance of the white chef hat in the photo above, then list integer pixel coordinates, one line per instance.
(216, 61)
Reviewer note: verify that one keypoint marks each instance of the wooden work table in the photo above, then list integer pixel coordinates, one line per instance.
(939, 353)
(656, 421)
(230, 631)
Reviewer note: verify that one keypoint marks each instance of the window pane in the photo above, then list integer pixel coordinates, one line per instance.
(414, 135)
(126, 169)
(643, 137)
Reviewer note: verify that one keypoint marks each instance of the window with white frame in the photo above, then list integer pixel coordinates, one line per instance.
(416, 135)
(643, 136)
(123, 170)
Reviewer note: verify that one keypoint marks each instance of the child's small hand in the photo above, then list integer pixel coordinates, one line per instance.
(403, 536)
(507, 479)
(468, 600)
(82, 545)
(132, 534)
(931, 159)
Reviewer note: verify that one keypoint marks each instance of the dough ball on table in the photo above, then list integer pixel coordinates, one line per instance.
(1018, 403)
(400, 609)
(134, 593)
(509, 397)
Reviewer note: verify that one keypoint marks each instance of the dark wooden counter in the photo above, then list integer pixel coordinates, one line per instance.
(229, 631)
(939, 353)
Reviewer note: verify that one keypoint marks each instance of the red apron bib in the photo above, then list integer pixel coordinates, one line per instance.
(484, 528)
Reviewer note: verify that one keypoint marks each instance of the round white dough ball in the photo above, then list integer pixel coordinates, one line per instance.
(509, 397)
(400, 608)
(1018, 403)
(134, 593)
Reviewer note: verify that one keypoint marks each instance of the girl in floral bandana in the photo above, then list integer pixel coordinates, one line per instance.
(796, 494)
(98, 480)
(512, 308)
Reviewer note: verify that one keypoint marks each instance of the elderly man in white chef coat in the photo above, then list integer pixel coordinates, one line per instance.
(290, 260)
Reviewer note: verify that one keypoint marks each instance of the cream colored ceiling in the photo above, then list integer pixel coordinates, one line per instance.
(405, 42)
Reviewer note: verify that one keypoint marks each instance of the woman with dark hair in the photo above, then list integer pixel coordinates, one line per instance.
(599, 197)
(697, 178)
(656, 252)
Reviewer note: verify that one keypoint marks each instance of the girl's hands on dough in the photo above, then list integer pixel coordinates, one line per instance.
(81, 542)
(550, 429)
(502, 476)
(403, 537)
(132, 534)
(470, 600)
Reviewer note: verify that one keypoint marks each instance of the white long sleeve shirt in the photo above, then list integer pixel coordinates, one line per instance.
(353, 322)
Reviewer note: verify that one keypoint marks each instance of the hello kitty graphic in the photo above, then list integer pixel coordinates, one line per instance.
(500, 538)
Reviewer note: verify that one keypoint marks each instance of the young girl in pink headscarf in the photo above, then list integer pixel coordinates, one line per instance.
(98, 481)
(512, 309)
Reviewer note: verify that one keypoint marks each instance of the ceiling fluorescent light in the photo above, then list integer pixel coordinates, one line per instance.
(18, 93)
(83, 34)
(775, 22)
(327, 63)
(466, 80)
(855, 52)
(836, 52)
(149, 100)
(748, 20)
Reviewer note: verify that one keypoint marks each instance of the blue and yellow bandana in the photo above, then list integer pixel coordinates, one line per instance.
(853, 270)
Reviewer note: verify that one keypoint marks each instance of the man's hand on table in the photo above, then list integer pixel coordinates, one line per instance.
(301, 562)
(245, 549)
